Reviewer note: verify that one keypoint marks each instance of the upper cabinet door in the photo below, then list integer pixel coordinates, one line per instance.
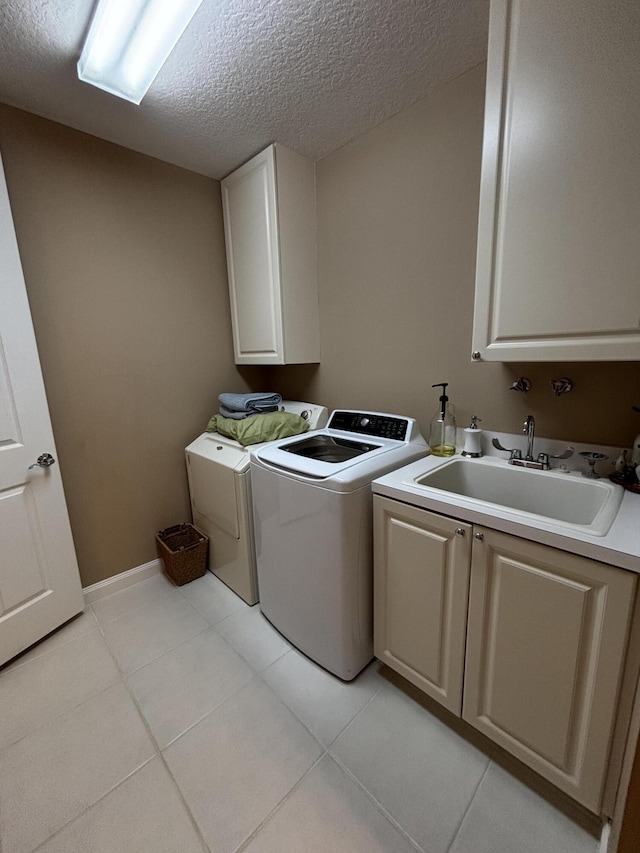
(558, 274)
(270, 233)
(253, 260)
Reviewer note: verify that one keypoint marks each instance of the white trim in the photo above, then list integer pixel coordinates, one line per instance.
(604, 838)
(124, 579)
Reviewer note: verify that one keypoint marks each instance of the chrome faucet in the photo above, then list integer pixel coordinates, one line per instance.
(542, 460)
(528, 429)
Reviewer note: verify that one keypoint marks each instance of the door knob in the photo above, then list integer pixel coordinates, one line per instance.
(43, 461)
(479, 537)
(459, 531)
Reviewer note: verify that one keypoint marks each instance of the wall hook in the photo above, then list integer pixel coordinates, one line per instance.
(561, 386)
(521, 384)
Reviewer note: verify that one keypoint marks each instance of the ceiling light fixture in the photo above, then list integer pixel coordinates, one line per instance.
(129, 42)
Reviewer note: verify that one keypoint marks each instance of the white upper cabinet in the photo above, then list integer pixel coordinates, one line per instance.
(558, 274)
(270, 232)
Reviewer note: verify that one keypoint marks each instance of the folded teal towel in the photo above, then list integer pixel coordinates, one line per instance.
(252, 402)
(240, 416)
(248, 404)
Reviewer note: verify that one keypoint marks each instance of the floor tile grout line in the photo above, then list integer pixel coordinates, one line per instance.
(240, 607)
(99, 625)
(155, 743)
(62, 713)
(209, 627)
(153, 601)
(191, 726)
(170, 587)
(297, 716)
(188, 811)
(376, 803)
(352, 721)
(243, 844)
(286, 651)
(13, 666)
(160, 594)
(256, 677)
(291, 711)
(94, 803)
(256, 674)
(239, 653)
(469, 804)
(253, 667)
(127, 675)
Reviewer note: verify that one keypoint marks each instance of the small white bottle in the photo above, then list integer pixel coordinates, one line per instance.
(473, 439)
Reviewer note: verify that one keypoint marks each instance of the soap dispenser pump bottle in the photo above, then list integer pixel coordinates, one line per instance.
(473, 439)
(442, 433)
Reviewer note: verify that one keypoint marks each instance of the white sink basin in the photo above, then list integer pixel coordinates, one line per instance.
(567, 500)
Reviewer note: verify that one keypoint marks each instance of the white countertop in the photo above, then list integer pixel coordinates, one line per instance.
(619, 547)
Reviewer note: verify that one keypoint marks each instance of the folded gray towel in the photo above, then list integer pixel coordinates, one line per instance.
(239, 416)
(253, 403)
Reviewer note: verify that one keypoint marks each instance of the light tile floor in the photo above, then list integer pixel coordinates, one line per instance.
(177, 720)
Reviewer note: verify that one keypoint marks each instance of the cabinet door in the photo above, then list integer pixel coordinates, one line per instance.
(421, 583)
(559, 233)
(251, 234)
(545, 650)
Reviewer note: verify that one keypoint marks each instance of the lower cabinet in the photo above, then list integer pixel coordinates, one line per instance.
(421, 587)
(545, 633)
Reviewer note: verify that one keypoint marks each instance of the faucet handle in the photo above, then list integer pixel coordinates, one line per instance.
(565, 454)
(543, 458)
(514, 453)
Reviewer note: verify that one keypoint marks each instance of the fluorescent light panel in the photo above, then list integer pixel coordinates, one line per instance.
(129, 42)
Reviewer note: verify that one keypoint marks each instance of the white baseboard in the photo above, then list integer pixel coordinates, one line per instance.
(124, 579)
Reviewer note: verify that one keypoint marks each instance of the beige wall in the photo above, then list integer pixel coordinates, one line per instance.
(397, 212)
(125, 268)
(124, 263)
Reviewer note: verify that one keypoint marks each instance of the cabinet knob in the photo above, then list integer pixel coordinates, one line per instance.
(479, 537)
(460, 531)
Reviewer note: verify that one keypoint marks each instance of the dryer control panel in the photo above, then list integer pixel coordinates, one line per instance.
(370, 423)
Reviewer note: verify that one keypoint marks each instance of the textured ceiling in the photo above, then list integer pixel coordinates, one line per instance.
(310, 74)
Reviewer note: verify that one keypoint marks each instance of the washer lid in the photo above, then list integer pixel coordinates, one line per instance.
(223, 451)
(318, 467)
(329, 448)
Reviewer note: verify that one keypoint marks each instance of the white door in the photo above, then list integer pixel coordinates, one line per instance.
(39, 581)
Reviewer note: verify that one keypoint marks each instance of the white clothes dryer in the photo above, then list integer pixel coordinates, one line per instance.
(312, 507)
(220, 491)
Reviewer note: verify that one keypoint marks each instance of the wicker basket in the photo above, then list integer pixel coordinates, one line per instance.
(183, 548)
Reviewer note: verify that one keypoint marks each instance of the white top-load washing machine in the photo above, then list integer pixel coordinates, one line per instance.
(312, 507)
(220, 489)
